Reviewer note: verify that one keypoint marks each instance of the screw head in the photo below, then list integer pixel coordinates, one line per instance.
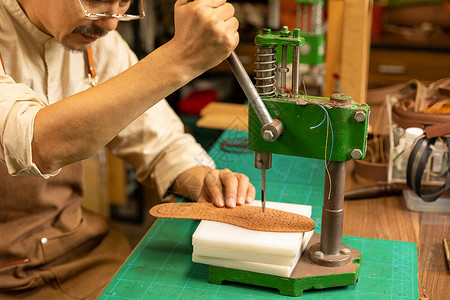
(284, 31)
(318, 254)
(360, 116)
(266, 31)
(357, 154)
(346, 251)
(267, 135)
(341, 98)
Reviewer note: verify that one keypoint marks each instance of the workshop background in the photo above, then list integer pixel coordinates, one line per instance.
(410, 39)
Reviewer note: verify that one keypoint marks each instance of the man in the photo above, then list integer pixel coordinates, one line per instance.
(51, 119)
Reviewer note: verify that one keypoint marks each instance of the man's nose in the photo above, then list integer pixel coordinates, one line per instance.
(108, 24)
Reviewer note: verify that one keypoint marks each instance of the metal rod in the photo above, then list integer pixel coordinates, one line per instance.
(333, 209)
(283, 69)
(249, 89)
(316, 19)
(305, 18)
(273, 18)
(263, 189)
(263, 161)
(295, 69)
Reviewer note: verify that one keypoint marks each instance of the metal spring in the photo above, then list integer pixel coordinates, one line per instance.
(265, 70)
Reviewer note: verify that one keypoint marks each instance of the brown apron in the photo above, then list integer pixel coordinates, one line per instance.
(50, 247)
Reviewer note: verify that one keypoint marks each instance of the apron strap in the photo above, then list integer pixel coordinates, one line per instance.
(92, 74)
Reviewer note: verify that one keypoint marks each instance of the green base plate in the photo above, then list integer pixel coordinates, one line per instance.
(306, 275)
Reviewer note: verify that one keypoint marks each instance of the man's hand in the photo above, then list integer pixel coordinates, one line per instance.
(221, 187)
(235, 186)
(205, 33)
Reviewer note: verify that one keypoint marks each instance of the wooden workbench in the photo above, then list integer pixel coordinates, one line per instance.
(389, 218)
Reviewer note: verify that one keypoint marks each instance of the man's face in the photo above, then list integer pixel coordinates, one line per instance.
(65, 19)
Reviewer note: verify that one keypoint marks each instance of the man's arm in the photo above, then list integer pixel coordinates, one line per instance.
(77, 127)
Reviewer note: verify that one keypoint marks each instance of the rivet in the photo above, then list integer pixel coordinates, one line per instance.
(44, 241)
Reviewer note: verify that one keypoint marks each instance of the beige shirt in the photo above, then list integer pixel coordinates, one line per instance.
(39, 72)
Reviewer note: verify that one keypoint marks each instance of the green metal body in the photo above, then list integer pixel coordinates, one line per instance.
(313, 51)
(286, 285)
(303, 136)
(281, 38)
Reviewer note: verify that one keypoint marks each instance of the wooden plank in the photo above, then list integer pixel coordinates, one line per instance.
(348, 47)
(223, 121)
(222, 115)
(354, 70)
(333, 44)
(225, 108)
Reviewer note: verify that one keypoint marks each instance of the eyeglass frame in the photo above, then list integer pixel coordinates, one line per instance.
(120, 17)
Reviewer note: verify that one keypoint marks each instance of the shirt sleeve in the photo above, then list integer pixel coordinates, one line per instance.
(156, 145)
(18, 108)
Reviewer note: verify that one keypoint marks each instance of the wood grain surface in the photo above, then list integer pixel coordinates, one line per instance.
(389, 218)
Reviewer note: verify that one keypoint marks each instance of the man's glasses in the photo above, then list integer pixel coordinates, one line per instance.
(102, 6)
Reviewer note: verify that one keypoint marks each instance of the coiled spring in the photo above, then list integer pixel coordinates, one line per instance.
(265, 70)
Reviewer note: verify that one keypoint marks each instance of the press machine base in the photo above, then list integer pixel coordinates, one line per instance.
(306, 275)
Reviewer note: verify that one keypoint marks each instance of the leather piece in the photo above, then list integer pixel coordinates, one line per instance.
(249, 217)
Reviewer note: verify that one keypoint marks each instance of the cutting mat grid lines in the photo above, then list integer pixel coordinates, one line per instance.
(388, 271)
(161, 266)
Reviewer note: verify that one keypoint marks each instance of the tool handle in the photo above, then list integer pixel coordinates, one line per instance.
(249, 89)
(381, 190)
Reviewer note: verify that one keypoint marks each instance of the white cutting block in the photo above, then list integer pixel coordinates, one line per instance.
(230, 246)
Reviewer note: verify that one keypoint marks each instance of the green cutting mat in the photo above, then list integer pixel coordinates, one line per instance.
(161, 266)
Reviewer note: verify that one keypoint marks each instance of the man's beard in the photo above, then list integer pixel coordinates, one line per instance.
(91, 31)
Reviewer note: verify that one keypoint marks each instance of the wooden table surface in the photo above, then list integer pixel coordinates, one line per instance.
(389, 218)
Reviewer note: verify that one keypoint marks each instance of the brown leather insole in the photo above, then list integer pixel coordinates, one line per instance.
(249, 217)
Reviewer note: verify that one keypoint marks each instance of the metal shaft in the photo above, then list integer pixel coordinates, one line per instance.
(263, 189)
(283, 69)
(316, 18)
(305, 18)
(295, 69)
(333, 209)
(263, 161)
(249, 89)
(273, 18)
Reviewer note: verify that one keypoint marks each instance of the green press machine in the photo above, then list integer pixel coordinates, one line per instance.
(290, 122)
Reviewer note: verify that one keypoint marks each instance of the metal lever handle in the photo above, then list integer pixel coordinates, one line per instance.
(249, 89)
(271, 129)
